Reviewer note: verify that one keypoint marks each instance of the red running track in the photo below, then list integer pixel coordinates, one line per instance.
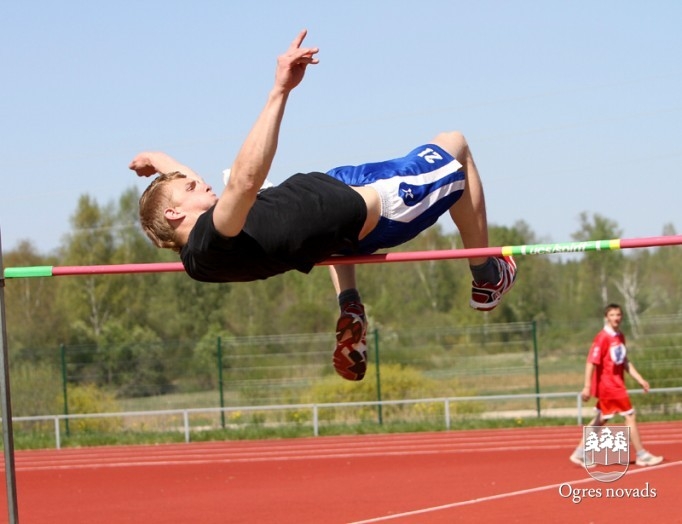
(512, 475)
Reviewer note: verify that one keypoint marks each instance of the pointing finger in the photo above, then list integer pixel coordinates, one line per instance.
(299, 39)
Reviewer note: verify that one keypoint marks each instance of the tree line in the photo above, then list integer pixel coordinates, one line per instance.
(169, 312)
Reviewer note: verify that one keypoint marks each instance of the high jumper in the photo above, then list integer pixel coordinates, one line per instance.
(250, 232)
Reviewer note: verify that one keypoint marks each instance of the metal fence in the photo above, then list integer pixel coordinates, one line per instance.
(269, 369)
(234, 381)
(317, 416)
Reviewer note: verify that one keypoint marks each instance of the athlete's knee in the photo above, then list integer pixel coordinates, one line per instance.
(597, 421)
(453, 142)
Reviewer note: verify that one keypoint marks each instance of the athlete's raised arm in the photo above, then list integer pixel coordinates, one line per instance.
(255, 157)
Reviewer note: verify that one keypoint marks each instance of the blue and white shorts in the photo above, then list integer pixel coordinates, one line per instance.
(415, 191)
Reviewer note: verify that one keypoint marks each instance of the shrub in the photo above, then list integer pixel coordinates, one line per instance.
(90, 399)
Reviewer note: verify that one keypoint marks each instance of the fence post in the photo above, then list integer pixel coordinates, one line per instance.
(537, 366)
(57, 436)
(220, 382)
(185, 421)
(376, 359)
(62, 353)
(316, 421)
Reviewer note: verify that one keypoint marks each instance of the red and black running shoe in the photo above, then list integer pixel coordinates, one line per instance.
(486, 296)
(350, 355)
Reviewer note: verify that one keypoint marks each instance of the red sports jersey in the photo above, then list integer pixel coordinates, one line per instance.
(609, 355)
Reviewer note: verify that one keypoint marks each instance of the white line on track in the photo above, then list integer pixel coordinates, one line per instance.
(344, 447)
(503, 496)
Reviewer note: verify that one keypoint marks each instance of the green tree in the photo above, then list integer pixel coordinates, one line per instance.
(132, 361)
(33, 320)
(600, 270)
(88, 299)
(107, 235)
(661, 283)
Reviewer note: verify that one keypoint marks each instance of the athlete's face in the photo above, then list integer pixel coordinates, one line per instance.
(191, 195)
(613, 318)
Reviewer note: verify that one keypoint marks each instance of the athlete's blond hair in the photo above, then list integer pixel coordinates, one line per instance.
(153, 202)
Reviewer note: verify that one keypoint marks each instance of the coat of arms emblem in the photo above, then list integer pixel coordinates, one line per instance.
(607, 451)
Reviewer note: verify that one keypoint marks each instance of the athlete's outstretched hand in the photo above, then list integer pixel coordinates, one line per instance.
(149, 163)
(143, 165)
(292, 63)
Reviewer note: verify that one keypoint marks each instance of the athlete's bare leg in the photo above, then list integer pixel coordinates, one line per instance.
(469, 212)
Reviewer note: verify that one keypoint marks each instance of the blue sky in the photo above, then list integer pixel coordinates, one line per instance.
(568, 106)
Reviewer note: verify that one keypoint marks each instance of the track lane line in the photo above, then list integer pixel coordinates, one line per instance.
(504, 495)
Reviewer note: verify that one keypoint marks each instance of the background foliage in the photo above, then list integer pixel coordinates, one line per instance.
(155, 336)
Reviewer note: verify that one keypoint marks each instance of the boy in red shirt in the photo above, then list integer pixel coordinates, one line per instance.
(605, 370)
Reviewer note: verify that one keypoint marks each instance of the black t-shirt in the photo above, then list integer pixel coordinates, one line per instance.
(294, 225)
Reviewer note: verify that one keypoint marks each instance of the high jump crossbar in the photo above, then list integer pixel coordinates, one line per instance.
(410, 256)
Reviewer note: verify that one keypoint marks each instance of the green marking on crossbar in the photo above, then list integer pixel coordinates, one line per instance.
(28, 272)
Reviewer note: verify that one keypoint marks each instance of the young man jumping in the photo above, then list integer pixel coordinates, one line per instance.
(249, 233)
